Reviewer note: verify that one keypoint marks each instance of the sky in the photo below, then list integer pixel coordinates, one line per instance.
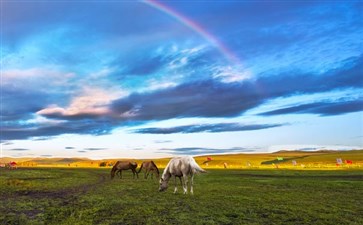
(150, 79)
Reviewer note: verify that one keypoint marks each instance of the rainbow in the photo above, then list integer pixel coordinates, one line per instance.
(197, 28)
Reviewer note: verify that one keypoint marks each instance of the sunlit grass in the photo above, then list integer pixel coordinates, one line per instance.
(325, 160)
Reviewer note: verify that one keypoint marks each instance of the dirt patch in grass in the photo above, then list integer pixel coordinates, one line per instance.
(39, 201)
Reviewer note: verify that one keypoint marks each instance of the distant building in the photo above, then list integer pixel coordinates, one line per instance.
(13, 165)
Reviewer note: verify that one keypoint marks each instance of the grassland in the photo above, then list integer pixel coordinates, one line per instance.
(249, 196)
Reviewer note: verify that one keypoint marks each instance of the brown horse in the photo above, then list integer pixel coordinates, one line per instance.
(124, 165)
(149, 166)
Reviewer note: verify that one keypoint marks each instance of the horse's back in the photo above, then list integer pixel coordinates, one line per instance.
(185, 165)
(178, 166)
(125, 165)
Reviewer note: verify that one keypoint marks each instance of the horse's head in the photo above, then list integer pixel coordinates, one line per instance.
(113, 171)
(163, 184)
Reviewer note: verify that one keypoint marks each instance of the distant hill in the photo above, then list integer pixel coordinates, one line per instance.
(55, 160)
(305, 152)
(242, 160)
(10, 159)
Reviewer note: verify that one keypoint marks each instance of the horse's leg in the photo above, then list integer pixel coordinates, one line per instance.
(185, 184)
(134, 171)
(175, 184)
(191, 184)
(120, 174)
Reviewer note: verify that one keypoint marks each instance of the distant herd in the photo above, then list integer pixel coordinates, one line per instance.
(178, 167)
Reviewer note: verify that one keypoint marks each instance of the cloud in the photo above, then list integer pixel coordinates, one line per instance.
(43, 138)
(16, 132)
(204, 98)
(210, 98)
(31, 101)
(308, 149)
(69, 148)
(94, 149)
(210, 128)
(92, 103)
(203, 151)
(19, 149)
(144, 66)
(162, 141)
(197, 99)
(41, 77)
(321, 108)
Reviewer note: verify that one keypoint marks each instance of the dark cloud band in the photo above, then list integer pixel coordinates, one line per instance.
(203, 151)
(321, 108)
(210, 128)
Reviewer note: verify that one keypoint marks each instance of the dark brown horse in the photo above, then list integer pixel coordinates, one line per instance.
(149, 166)
(124, 165)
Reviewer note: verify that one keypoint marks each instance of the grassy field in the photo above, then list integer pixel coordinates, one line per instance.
(88, 196)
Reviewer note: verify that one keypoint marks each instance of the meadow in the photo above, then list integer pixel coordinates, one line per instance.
(222, 196)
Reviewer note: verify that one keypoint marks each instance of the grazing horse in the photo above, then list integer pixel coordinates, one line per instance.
(124, 165)
(180, 167)
(149, 166)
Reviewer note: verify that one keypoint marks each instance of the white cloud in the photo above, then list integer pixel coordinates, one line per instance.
(229, 74)
(93, 101)
(40, 76)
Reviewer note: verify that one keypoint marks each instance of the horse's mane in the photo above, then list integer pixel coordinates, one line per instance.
(166, 171)
(134, 164)
(157, 169)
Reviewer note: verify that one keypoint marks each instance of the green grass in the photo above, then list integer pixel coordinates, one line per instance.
(88, 196)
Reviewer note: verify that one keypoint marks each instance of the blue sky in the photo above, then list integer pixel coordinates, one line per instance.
(150, 79)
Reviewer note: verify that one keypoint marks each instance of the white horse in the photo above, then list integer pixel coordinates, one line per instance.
(180, 167)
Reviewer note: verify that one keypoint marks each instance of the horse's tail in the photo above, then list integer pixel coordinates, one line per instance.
(114, 169)
(157, 169)
(142, 164)
(195, 167)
